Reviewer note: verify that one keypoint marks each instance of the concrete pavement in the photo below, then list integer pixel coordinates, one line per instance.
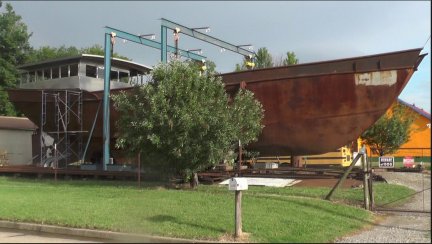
(27, 232)
(22, 236)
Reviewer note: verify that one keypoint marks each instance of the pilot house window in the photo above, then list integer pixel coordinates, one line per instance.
(32, 76)
(114, 75)
(73, 69)
(64, 71)
(124, 77)
(55, 72)
(39, 75)
(91, 71)
(47, 74)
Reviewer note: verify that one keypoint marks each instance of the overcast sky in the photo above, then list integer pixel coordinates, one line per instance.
(314, 30)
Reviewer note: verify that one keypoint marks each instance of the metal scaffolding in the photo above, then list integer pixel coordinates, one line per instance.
(61, 118)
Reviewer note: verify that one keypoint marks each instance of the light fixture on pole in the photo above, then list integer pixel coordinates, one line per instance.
(149, 36)
(199, 51)
(206, 29)
(250, 46)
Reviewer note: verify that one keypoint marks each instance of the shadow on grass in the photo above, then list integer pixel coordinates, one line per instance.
(174, 220)
(303, 203)
(336, 213)
(162, 218)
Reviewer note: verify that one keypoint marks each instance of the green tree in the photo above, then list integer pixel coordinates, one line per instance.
(184, 120)
(290, 59)
(263, 59)
(100, 50)
(390, 131)
(14, 46)
(210, 66)
(47, 52)
(245, 112)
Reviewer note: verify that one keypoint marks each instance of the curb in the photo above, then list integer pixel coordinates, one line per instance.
(107, 235)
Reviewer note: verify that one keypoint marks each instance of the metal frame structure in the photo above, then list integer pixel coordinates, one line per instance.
(111, 34)
(67, 107)
(167, 24)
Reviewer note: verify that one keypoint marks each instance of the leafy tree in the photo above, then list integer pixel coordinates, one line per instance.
(14, 46)
(245, 112)
(183, 121)
(390, 131)
(100, 50)
(210, 66)
(263, 59)
(290, 59)
(240, 67)
(47, 52)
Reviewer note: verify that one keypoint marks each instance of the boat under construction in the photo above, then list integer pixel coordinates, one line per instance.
(315, 108)
(310, 108)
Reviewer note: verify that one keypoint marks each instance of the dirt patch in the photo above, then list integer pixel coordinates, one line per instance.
(348, 183)
(244, 238)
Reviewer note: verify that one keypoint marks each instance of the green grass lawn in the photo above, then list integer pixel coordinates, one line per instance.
(292, 214)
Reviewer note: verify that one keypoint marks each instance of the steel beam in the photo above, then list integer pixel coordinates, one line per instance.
(163, 44)
(204, 37)
(154, 44)
(106, 101)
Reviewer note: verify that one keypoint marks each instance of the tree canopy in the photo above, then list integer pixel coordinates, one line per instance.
(14, 47)
(264, 59)
(390, 131)
(290, 59)
(47, 52)
(185, 121)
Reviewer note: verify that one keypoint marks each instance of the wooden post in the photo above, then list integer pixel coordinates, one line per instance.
(55, 162)
(365, 183)
(240, 159)
(370, 177)
(238, 214)
(342, 179)
(139, 169)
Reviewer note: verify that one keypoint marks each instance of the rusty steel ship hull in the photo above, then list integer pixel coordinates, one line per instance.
(318, 107)
(309, 108)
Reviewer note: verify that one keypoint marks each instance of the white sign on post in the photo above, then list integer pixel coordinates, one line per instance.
(386, 162)
(237, 184)
(408, 162)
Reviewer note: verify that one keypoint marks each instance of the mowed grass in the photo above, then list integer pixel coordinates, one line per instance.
(269, 214)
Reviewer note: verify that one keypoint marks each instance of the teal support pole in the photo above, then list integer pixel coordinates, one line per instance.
(106, 102)
(163, 44)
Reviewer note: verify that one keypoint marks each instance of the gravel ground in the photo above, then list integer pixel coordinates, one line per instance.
(401, 227)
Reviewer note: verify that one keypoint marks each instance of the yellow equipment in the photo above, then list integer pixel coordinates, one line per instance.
(340, 157)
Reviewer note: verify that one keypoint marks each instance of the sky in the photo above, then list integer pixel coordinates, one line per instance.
(313, 30)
